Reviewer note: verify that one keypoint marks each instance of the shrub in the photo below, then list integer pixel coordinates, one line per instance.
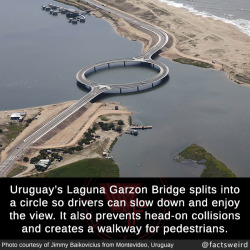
(120, 122)
(35, 159)
(25, 159)
(118, 129)
(79, 148)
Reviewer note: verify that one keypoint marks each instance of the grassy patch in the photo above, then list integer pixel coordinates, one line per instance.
(17, 171)
(113, 143)
(104, 118)
(130, 120)
(86, 168)
(14, 129)
(193, 62)
(213, 167)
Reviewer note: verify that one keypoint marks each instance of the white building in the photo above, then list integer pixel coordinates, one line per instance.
(18, 116)
(43, 164)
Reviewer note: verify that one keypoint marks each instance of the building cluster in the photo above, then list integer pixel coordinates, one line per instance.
(72, 15)
(18, 116)
(43, 164)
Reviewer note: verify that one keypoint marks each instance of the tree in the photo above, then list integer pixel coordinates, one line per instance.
(79, 148)
(54, 155)
(35, 159)
(120, 122)
(25, 159)
(111, 125)
(118, 129)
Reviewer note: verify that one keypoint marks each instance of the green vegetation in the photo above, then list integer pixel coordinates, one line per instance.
(193, 62)
(104, 118)
(113, 143)
(25, 159)
(111, 126)
(36, 159)
(17, 171)
(130, 120)
(106, 126)
(11, 130)
(51, 154)
(120, 122)
(89, 136)
(118, 129)
(14, 129)
(86, 168)
(213, 167)
(29, 121)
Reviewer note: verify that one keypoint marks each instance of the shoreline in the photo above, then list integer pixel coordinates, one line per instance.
(191, 36)
(206, 14)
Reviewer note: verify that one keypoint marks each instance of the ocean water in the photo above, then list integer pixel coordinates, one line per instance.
(236, 12)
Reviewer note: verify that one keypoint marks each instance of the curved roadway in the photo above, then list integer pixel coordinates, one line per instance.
(163, 72)
(96, 88)
(144, 58)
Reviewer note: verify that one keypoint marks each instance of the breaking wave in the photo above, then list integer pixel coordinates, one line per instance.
(242, 24)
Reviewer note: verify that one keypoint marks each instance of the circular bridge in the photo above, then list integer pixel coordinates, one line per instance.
(162, 69)
(144, 59)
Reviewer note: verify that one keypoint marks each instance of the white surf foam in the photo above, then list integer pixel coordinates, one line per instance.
(242, 24)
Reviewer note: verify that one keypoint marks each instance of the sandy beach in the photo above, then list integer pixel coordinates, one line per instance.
(191, 36)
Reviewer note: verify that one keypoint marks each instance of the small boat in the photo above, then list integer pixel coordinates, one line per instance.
(82, 19)
(132, 132)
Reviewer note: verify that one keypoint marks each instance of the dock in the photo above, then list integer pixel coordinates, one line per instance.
(140, 127)
(72, 15)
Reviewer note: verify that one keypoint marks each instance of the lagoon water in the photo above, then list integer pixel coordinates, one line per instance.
(42, 54)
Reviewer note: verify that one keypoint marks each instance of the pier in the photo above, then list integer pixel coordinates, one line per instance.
(140, 127)
(73, 16)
